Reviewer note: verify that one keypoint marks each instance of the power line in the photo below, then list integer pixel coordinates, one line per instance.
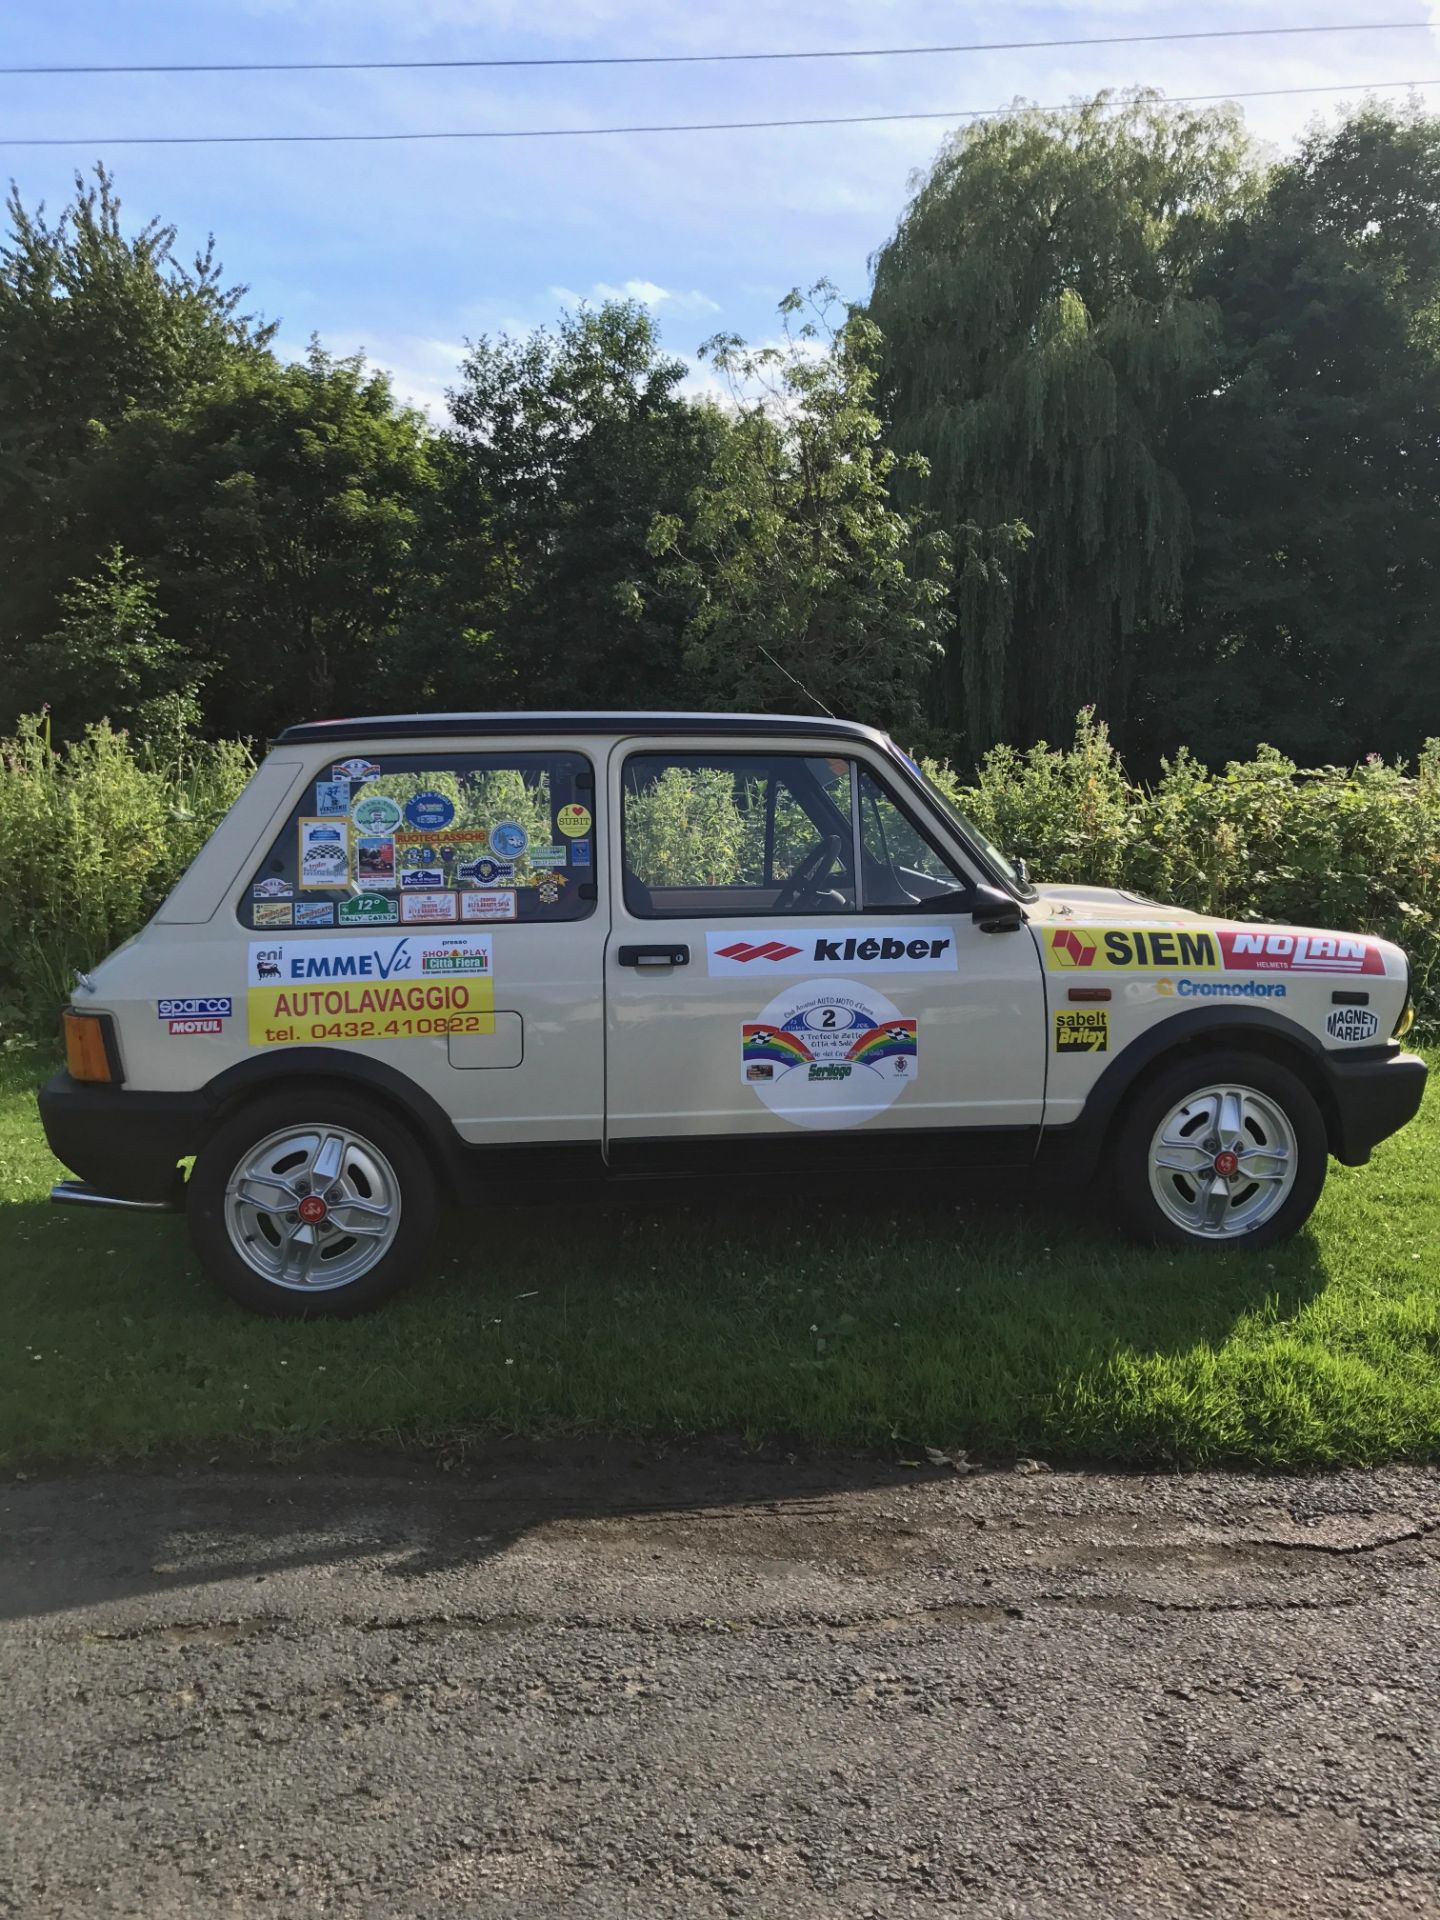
(679, 126)
(722, 59)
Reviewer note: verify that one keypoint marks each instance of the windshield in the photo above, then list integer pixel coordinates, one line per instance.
(966, 827)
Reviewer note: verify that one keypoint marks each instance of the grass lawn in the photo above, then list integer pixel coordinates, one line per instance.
(900, 1321)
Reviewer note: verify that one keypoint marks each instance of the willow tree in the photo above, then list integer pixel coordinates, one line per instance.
(1041, 336)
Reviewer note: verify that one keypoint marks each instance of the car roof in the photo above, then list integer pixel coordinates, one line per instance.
(391, 726)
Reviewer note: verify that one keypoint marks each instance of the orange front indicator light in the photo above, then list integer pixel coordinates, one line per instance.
(89, 1054)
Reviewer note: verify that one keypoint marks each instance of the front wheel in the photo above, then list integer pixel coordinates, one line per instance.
(1221, 1150)
(310, 1204)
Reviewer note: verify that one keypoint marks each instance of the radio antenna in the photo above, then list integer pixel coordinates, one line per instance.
(812, 698)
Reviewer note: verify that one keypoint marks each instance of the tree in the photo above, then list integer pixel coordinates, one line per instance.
(1042, 332)
(568, 446)
(94, 325)
(1313, 463)
(801, 580)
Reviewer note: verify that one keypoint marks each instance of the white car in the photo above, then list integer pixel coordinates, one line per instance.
(638, 945)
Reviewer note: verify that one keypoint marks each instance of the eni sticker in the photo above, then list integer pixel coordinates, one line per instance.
(1082, 1030)
(573, 821)
(306, 992)
(829, 1054)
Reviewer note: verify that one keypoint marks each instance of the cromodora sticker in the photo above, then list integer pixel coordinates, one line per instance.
(829, 1054)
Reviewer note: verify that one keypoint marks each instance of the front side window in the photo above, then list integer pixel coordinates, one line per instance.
(708, 834)
(448, 839)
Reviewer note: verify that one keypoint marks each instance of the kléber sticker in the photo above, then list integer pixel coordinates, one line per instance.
(306, 992)
(829, 1054)
(811, 949)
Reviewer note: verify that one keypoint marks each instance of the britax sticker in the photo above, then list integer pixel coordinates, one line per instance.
(1266, 950)
(196, 1007)
(306, 992)
(779, 950)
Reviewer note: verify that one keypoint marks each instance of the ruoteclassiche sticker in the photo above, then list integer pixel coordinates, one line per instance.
(414, 985)
(829, 1054)
(1082, 1030)
(811, 949)
(324, 853)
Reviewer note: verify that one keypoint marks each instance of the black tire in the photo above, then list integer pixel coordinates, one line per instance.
(1137, 1205)
(312, 1105)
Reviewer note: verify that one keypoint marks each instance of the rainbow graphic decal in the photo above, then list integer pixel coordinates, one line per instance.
(895, 1039)
(760, 1042)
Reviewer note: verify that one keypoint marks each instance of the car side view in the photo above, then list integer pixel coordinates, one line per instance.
(457, 958)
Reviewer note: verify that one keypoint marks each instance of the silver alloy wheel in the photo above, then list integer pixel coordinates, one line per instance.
(312, 1207)
(1223, 1161)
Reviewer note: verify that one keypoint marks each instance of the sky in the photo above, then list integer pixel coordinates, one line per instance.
(405, 251)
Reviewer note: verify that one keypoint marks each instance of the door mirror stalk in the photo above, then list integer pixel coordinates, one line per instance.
(994, 911)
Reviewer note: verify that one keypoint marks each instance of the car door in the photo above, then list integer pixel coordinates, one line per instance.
(793, 975)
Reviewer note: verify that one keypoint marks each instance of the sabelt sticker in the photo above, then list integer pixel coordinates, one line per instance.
(324, 853)
(427, 906)
(1082, 1030)
(829, 1054)
(307, 992)
(573, 821)
(1352, 1025)
(811, 949)
(1266, 950)
(488, 906)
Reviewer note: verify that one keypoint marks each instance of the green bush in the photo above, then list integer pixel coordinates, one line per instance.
(1350, 848)
(92, 837)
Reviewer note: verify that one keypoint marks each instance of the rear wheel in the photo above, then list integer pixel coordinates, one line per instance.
(1222, 1149)
(311, 1204)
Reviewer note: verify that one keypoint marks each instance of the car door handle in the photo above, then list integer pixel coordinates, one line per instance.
(654, 956)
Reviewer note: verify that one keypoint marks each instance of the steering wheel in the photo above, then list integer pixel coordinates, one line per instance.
(810, 871)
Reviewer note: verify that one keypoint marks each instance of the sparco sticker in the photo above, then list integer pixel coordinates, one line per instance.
(379, 988)
(829, 1054)
(195, 1007)
(775, 950)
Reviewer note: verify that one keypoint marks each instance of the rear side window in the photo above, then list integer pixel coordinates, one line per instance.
(417, 839)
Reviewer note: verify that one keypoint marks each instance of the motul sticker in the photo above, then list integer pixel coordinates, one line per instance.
(779, 950)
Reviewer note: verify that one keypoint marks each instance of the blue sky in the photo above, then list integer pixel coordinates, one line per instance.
(405, 251)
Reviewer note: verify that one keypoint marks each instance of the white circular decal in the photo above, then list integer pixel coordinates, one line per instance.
(829, 1056)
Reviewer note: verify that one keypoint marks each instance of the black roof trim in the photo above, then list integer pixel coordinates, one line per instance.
(393, 726)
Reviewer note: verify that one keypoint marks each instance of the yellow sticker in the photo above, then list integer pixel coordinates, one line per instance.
(1113, 949)
(1084, 1030)
(573, 821)
(419, 985)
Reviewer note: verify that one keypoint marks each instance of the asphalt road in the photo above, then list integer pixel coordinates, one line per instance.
(593, 1686)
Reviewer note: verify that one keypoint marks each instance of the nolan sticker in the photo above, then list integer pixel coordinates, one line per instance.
(1265, 951)
(303, 992)
(196, 1007)
(829, 1054)
(1082, 1030)
(1112, 949)
(1222, 989)
(1352, 1025)
(812, 949)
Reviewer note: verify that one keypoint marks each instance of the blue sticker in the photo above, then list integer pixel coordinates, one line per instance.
(422, 877)
(429, 811)
(486, 871)
(332, 796)
(193, 1009)
(314, 913)
(580, 853)
(508, 839)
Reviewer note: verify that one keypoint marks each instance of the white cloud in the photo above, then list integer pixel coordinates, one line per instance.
(646, 292)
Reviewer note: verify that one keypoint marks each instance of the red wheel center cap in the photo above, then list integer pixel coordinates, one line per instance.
(1227, 1164)
(312, 1209)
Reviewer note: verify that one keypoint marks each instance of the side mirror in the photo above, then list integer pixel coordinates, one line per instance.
(994, 911)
